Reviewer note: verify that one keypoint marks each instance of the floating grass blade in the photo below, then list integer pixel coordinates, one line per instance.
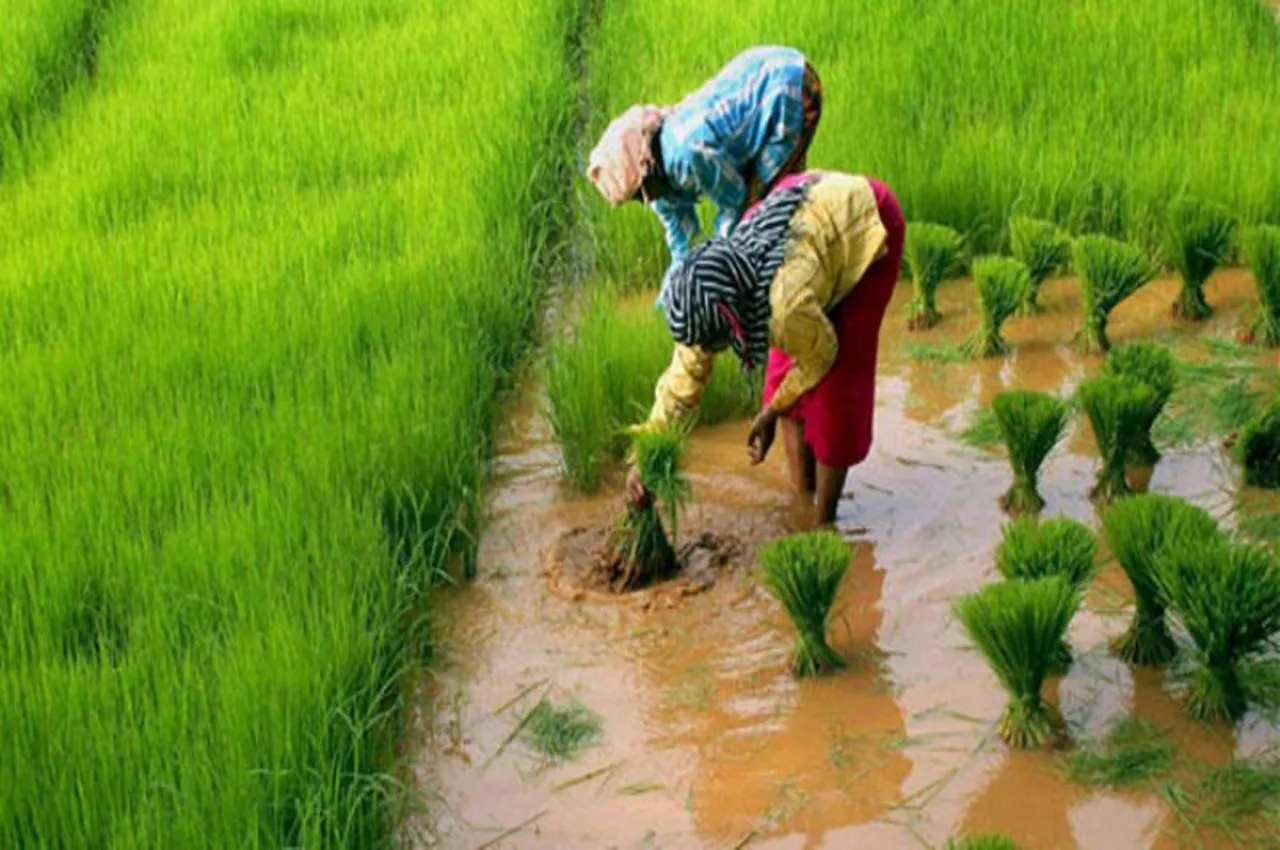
(561, 732)
(1043, 248)
(1260, 448)
(1117, 408)
(1002, 283)
(1154, 365)
(1137, 530)
(983, 842)
(1262, 251)
(933, 253)
(1226, 594)
(804, 572)
(1110, 271)
(1134, 751)
(1030, 423)
(1197, 237)
(1018, 627)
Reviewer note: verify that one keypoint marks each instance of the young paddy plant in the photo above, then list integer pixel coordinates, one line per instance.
(1043, 248)
(1153, 365)
(1197, 237)
(804, 572)
(1110, 271)
(640, 552)
(1030, 423)
(1018, 626)
(1002, 283)
(1260, 448)
(1118, 409)
(1133, 752)
(933, 253)
(989, 841)
(1262, 252)
(1137, 530)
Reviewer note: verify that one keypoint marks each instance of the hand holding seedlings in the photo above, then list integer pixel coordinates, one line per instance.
(760, 439)
(637, 494)
(640, 553)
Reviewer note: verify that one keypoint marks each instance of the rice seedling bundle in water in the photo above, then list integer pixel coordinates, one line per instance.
(983, 842)
(640, 553)
(1118, 409)
(804, 572)
(1262, 252)
(1044, 248)
(1226, 594)
(1260, 448)
(1197, 237)
(1154, 365)
(1002, 283)
(1061, 547)
(1018, 627)
(1030, 423)
(1137, 530)
(933, 252)
(1110, 271)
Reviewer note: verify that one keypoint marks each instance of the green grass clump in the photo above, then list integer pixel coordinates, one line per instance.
(932, 252)
(1030, 424)
(560, 732)
(1044, 248)
(804, 572)
(1197, 238)
(1262, 251)
(1110, 271)
(1134, 751)
(1137, 531)
(1001, 283)
(1118, 409)
(641, 552)
(1018, 626)
(1260, 448)
(983, 842)
(1226, 595)
(1154, 365)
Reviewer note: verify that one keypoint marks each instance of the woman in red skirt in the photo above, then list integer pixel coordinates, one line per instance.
(802, 285)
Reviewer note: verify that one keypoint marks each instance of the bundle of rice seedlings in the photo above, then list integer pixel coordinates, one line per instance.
(1154, 365)
(1043, 248)
(1226, 594)
(1118, 409)
(804, 571)
(1061, 547)
(1001, 283)
(1197, 237)
(1110, 271)
(990, 841)
(933, 252)
(1030, 423)
(1262, 251)
(1018, 627)
(1260, 448)
(642, 554)
(1137, 531)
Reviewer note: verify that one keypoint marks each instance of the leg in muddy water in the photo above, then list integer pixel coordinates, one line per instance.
(830, 485)
(800, 460)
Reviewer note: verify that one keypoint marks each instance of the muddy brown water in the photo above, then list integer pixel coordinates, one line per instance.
(707, 739)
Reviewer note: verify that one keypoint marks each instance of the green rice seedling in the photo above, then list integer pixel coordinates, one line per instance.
(804, 572)
(1260, 448)
(983, 842)
(933, 253)
(1197, 238)
(1110, 271)
(1134, 751)
(1262, 251)
(641, 553)
(983, 430)
(1060, 547)
(1018, 627)
(1154, 365)
(1030, 424)
(1001, 283)
(1226, 595)
(560, 732)
(1044, 248)
(1137, 530)
(1117, 408)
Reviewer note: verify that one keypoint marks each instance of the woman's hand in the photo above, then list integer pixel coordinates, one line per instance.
(637, 494)
(760, 438)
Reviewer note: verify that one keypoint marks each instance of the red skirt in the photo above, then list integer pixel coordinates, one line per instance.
(837, 414)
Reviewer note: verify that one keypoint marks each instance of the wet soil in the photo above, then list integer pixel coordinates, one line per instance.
(708, 741)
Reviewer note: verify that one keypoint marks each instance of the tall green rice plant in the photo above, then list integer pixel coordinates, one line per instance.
(1030, 423)
(1226, 594)
(1154, 365)
(1137, 531)
(1260, 448)
(1001, 283)
(642, 553)
(1043, 248)
(1117, 408)
(933, 253)
(1110, 271)
(1197, 238)
(1262, 251)
(1018, 626)
(804, 572)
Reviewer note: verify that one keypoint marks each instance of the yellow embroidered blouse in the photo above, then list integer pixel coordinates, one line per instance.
(836, 234)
